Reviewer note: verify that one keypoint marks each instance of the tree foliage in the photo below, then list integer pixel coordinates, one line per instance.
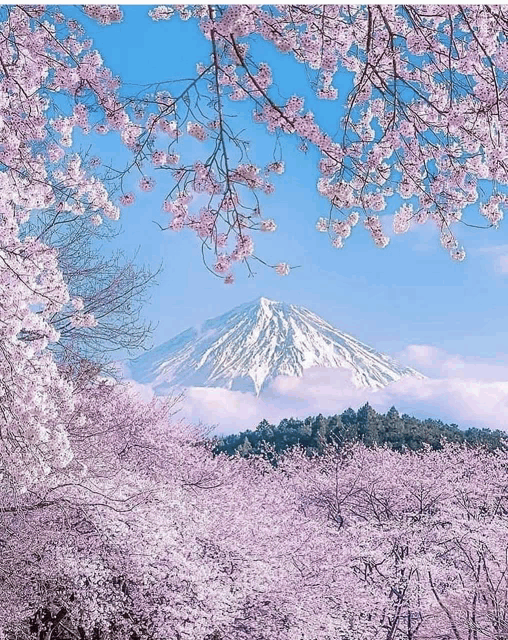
(315, 434)
(108, 285)
(425, 120)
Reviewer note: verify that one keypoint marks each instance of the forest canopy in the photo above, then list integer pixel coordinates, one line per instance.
(316, 434)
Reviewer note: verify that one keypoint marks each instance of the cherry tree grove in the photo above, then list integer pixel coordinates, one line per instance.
(116, 520)
(357, 545)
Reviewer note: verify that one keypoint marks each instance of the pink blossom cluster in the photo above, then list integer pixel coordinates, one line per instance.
(127, 199)
(205, 223)
(170, 127)
(373, 224)
(83, 320)
(268, 225)
(323, 225)
(244, 248)
(159, 158)
(341, 228)
(282, 269)
(163, 12)
(197, 130)
(179, 210)
(402, 218)
(147, 183)
(492, 210)
(172, 158)
(104, 13)
(407, 132)
(353, 218)
(276, 167)
(43, 56)
(260, 81)
(223, 263)
(248, 174)
(205, 180)
(130, 134)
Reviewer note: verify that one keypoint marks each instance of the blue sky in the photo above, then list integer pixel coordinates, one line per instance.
(409, 293)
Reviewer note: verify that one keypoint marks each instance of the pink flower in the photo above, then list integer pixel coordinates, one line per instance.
(146, 184)
(458, 254)
(341, 228)
(223, 263)
(222, 239)
(244, 248)
(268, 225)
(197, 131)
(78, 303)
(162, 12)
(322, 225)
(282, 269)
(172, 158)
(55, 153)
(159, 158)
(353, 218)
(177, 224)
(381, 241)
(104, 14)
(448, 240)
(276, 167)
(127, 199)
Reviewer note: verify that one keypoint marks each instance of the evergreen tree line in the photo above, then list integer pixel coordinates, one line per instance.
(314, 434)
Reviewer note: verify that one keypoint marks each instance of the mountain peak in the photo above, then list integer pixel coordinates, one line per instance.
(266, 303)
(248, 347)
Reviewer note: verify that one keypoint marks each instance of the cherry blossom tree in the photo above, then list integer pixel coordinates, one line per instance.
(111, 287)
(355, 544)
(424, 122)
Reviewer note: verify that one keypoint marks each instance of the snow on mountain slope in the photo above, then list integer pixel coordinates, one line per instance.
(246, 348)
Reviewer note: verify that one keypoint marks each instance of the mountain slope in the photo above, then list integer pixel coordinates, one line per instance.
(246, 348)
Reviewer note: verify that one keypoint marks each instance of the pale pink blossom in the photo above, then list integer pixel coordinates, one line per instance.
(162, 12)
(282, 269)
(146, 183)
(268, 225)
(127, 199)
(197, 131)
(159, 158)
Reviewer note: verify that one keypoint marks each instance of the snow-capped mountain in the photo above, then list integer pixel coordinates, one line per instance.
(246, 348)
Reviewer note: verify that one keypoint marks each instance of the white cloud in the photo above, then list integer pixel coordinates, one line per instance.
(144, 392)
(437, 363)
(469, 393)
(498, 255)
(425, 236)
(502, 264)
(493, 249)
